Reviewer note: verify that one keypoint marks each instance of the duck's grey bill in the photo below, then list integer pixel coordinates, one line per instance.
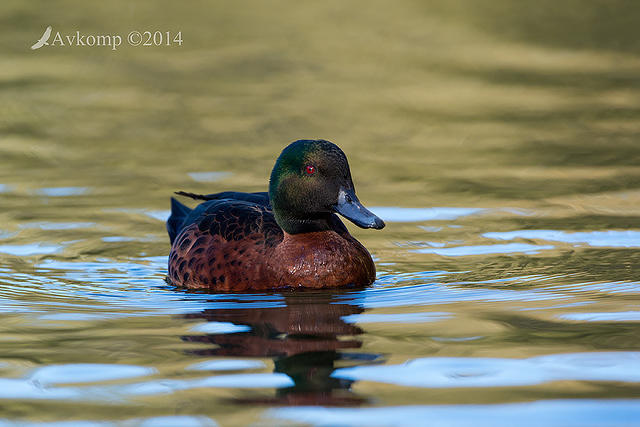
(350, 207)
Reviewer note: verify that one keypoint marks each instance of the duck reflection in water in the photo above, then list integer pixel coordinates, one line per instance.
(307, 338)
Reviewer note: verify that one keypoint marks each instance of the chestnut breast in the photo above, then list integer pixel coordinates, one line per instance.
(323, 259)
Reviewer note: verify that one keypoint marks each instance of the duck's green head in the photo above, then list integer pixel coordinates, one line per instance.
(310, 181)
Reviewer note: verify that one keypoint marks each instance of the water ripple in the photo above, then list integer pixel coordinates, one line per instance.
(613, 316)
(436, 372)
(609, 238)
(208, 176)
(568, 413)
(398, 214)
(396, 317)
(485, 249)
(31, 249)
(226, 365)
(440, 293)
(86, 372)
(62, 191)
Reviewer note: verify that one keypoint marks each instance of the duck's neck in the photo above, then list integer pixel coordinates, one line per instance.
(308, 224)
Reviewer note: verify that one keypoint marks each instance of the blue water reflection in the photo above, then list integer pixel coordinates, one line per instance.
(399, 214)
(485, 249)
(208, 176)
(567, 413)
(608, 238)
(166, 421)
(80, 373)
(31, 249)
(612, 316)
(438, 372)
(62, 191)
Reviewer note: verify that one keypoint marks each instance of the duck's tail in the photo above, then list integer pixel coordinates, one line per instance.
(178, 214)
(197, 196)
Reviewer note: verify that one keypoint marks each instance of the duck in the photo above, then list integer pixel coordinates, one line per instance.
(288, 237)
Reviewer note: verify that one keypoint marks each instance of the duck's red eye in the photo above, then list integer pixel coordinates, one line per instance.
(310, 169)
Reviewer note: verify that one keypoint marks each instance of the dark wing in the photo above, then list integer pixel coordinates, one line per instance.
(180, 212)
(234, 220)
(220, 242)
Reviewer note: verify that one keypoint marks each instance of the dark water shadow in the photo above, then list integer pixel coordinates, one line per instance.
(307, 339)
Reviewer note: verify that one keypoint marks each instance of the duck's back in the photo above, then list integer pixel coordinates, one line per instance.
(217, 244)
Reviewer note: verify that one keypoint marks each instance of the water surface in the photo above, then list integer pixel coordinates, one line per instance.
(500, 147)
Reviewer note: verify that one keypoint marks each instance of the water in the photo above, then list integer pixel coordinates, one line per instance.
(498, 140)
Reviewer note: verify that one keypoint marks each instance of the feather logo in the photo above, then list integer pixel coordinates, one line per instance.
(43, 40)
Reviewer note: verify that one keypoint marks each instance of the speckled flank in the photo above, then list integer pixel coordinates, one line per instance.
(220, 248)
